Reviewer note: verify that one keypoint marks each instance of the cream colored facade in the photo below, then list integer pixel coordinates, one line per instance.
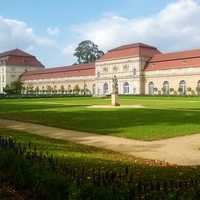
(140, 69)
(10, 73)
(132, 80)
(63, 85)
(129, 72)
(190, 77)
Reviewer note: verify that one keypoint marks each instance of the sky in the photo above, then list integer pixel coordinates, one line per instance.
(51, 30)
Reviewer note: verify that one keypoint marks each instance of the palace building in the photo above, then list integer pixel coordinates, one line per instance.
(13, 64)
(141, 69)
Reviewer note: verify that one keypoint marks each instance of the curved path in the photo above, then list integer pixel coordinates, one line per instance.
(181, 150)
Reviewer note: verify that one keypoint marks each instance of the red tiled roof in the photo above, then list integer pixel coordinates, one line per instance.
(130, 50)
(19, 57)
(15, 52)
(134, 45)
(61, 72)
(184, 59)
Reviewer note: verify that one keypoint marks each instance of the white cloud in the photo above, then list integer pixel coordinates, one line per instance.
(69, 50)
(175, 27)
(53, 31)
(14, 33)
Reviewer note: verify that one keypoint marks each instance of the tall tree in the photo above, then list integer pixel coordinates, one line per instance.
(87, 52)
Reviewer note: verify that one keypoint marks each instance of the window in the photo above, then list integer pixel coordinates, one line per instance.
(198, 88)
(69, 87)
(126, 88)
(85, 89)
(105, 69)
(166, 88)
(182, 87)
(98, 74)
(94, 89)
(134, 72)
(85, 86)
(105, 88)
(125, 68)
(151, 88)
(115, 69)
(134, 89)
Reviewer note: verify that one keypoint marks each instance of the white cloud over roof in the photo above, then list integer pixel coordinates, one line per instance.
(175, 27)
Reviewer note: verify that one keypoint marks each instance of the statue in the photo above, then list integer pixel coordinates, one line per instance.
(115, 85)
(115, 100)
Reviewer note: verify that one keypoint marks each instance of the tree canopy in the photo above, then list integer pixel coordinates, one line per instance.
(87, 52)
(14, 88)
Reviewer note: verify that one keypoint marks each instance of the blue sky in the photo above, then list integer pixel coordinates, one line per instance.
(52, 29)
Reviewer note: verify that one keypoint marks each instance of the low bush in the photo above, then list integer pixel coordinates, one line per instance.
(46, 177)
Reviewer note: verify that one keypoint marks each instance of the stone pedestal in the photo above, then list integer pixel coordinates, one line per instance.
(115, 100)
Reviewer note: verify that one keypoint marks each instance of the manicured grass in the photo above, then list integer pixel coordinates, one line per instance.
(82, 155)
(77, 153)
(77, 171)
(161, 117)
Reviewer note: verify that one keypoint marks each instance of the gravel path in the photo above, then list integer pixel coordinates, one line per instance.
(180, 150)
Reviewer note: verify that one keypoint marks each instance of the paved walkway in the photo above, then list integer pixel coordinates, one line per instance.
(181, 150)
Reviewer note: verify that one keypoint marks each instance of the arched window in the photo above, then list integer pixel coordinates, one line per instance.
(151, 88)
(198, 88)
(134, 89)
(126, 88)
(134, 72)
(85, 89)
(105, 88)
(93, 89)
(166, 88)
(69, 89)
(182, 87)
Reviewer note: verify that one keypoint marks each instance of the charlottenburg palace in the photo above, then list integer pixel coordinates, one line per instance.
(140, 69)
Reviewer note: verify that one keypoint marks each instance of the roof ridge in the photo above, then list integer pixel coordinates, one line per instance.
(160, 57)
(173, 52)
(15, 52)
(132, 45)
(63, 68)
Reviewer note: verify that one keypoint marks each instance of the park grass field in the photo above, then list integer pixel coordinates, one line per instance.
(161, 117)
(79, 155)
(89, 159)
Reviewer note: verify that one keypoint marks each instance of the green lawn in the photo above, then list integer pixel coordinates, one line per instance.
(79, 155)
(76, 153)
(162, 117)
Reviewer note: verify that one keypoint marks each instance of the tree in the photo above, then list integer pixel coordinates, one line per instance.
(14, 88)
(49, 89)
(37, 90)
(87, 52)
(76, 89)
(62, 89)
